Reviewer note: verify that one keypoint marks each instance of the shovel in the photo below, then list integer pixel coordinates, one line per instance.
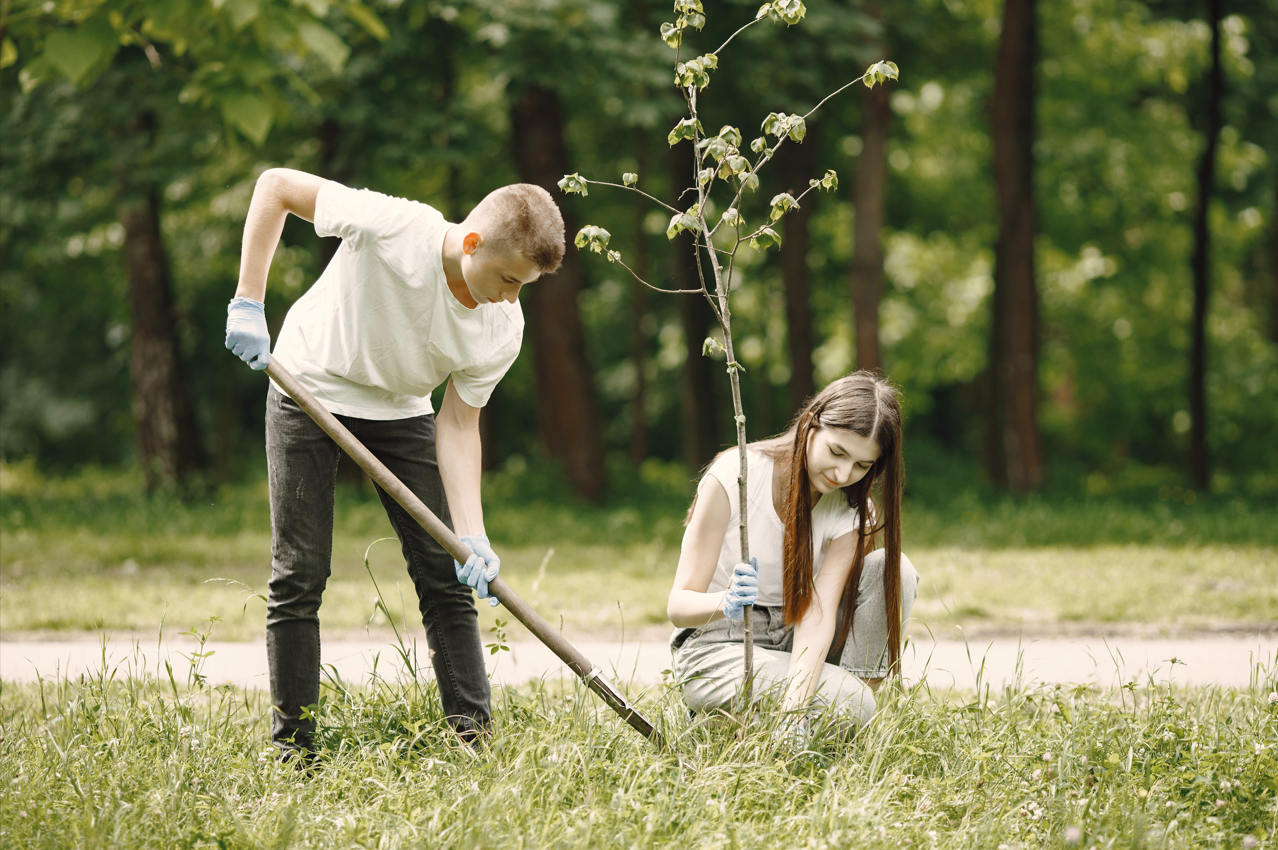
(569, 654)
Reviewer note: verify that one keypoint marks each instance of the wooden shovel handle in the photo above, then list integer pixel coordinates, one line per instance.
(522, 611)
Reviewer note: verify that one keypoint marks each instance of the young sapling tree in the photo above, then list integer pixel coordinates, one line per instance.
(721, 161)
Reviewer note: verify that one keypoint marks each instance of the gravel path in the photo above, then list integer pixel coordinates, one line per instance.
(1233, 661)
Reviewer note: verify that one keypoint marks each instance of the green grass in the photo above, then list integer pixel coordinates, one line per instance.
(135, 763)
(90, 552)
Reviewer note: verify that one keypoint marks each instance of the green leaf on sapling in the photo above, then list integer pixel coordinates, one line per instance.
(688, 128)
(675, 228)
(782, 204)
(711, 346)
(797, 128)
(671, 35)
(765, 9)
(765, 238)
(749, 181)
(716, 147)
(830, 180)
(880, 72)
(790, 11)
(738, 163)
(775, 124)
(732, 217)
(691, 13)
(730, 134)
(594, 238)
(8, 53)
(629, 178)
(574, 184)
(758, 144)
(704, 175)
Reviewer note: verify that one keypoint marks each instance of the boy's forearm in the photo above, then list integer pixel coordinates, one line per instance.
(459, 452)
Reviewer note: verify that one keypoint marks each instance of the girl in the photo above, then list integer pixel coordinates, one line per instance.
(828, 612)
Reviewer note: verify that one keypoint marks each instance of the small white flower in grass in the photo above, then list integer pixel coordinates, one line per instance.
(1273, 697)
(931, 833)
(1004, 847)
(1047, 756)
(1260, 748)
(1250, 842)
(1226, 785)
(1036, 775)
(1073, 835)
(1056, 709)
(1220, 804)
(1082, 759)
(1169, 735)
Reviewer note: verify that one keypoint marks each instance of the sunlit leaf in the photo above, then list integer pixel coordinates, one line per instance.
(781, 204)
(78, 53)
(764, 239)
(366, 18)
(248, 112)
(325, 43)
(629, 178)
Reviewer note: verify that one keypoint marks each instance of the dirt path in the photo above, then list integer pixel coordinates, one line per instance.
(1232, 661)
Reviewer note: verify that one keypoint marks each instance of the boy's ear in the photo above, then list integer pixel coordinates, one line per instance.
(471, 242)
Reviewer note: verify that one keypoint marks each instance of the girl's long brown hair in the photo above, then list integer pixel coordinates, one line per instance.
(866, 405)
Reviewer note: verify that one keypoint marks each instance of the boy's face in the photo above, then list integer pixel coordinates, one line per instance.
(493, 276)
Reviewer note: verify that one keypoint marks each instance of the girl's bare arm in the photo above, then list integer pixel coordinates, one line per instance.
(814, 633)
(689, 606)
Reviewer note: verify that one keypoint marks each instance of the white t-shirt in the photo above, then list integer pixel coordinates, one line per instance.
(380, 329)
(831, 519)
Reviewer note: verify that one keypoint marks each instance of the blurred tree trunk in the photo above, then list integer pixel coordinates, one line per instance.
(869, 189)
(696, 387)
(795, 166)
(1015, 450)
(1273, 247)
(169, 447)
(566, 406)
(639, 312)
(1198, 467)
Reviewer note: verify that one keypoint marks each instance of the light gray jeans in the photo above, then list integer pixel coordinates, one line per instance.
(709, 662)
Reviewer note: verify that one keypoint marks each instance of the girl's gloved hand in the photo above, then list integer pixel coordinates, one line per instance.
(743, 590)
(246, 333)
(481, 567)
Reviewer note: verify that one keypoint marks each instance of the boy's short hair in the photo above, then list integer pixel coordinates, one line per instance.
(523, 219)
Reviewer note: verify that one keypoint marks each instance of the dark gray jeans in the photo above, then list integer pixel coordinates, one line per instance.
(302, 461)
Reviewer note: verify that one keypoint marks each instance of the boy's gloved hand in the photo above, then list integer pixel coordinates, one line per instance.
(743, 590)
(246, 333)
(480, 568)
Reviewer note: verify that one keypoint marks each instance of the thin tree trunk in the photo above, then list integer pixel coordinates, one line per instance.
(1273, 247)
(638, 312)
(868, 200)
(696, 386)
(332, 167)
(795, 166)
(169, 447)
(1198, 464)
(566, 406)
(1016, 456)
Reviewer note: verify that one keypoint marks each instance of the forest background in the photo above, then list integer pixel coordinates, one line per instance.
(131, 133)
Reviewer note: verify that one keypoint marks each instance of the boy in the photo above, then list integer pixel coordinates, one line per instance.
(408, 301)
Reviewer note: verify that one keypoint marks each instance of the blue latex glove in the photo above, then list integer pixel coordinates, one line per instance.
(792, 734)
(480, 568)
(246, 333)
(743, 590)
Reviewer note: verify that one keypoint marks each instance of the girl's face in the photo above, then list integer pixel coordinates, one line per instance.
(837, 458)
